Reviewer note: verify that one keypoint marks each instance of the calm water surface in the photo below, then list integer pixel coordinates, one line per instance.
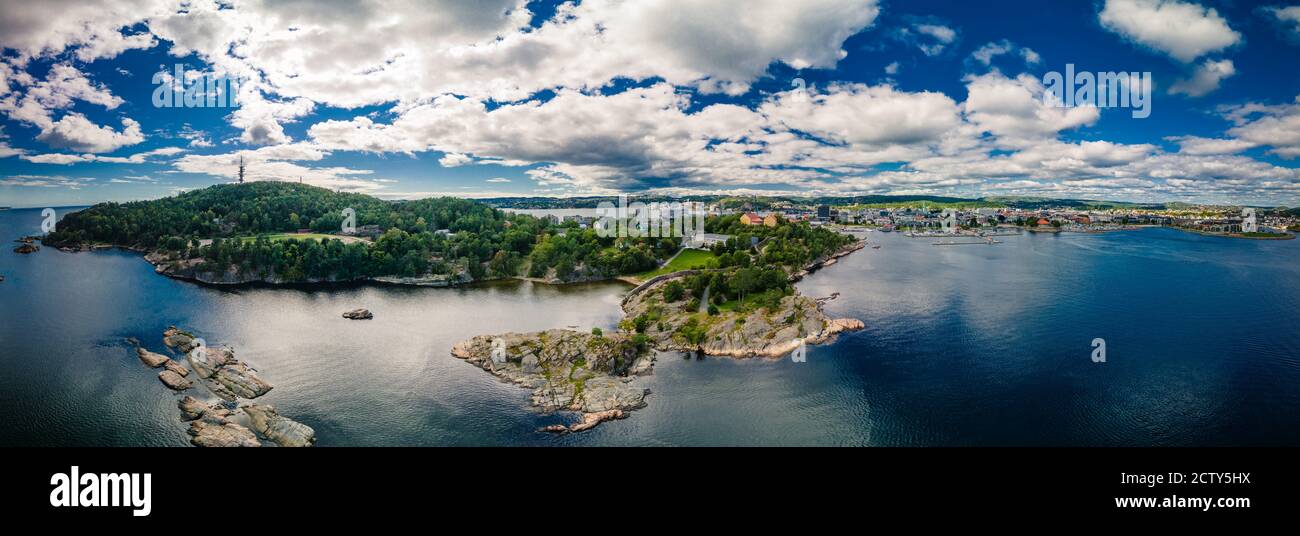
(964, 345)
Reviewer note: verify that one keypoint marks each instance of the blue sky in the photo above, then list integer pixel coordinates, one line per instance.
(407, 99)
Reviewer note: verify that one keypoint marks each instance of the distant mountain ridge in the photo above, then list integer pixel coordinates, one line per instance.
(761, 202)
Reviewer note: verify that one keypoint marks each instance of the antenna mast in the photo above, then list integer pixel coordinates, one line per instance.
(241, 170)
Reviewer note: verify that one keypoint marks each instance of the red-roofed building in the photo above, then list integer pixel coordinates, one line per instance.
(749, 218)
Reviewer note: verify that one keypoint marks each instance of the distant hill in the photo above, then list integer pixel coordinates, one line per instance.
(260, 208)
(762, 202)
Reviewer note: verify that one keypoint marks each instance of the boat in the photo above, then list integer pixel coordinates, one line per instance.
(877, 246)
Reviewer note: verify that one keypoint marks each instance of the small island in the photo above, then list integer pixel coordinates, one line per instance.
(741, 304)
(225, 422)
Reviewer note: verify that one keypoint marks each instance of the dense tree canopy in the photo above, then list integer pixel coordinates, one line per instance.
(440, 236)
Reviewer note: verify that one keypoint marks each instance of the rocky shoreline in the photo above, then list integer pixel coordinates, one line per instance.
(594, 374)
(566, 370)
(225, 422)
(186, 270)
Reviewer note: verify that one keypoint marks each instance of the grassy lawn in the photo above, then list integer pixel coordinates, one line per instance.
(683, 261)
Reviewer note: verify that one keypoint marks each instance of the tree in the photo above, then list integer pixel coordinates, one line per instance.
(673, 291)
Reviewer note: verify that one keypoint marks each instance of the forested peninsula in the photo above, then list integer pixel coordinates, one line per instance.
(288, 233)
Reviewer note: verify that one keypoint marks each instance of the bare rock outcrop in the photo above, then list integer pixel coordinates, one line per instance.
(567, 370)
(359, 314)
(174, 381)
(282, 430)
(213, 430)
(178, 340)
(227, 377)
(153, 360)
(176, 368)
(589, 421)
(191, 408)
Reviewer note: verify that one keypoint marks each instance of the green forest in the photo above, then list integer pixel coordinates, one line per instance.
(408, 238)
(227, 227)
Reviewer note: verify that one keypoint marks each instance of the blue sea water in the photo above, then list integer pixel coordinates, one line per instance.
(964, 345)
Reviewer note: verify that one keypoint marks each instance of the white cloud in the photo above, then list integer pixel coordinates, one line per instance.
(280, 163)
(95, 30)
(1205, 79)
(6, 151)
(867, 116)
(1184, 30)
(1012, 109)
(37, 102)
(463, 80)
(73, 131)
(1287, 19)
(1196, 145)
(989, 51)
(1276, 126)
(65, 158)
(43, 181)
(931, 37)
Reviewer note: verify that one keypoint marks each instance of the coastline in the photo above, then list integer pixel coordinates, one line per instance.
(160, 264)
(1286, 236)
(592, 374)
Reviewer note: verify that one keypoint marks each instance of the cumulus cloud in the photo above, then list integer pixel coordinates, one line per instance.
(1205, 79)
(298, 54)
(1276, 126)
(38, 101)
(1196, 145)
(1012, 109)
(280, 163)
(474, 83)
(73, 131)
(94, 30)
(1183, 30)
